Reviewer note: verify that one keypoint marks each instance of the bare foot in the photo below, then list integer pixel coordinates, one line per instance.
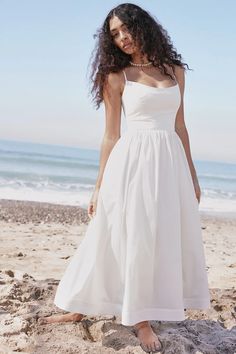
(149, 340)
(61, 318)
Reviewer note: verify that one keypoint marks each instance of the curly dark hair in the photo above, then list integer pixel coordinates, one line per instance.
(152, 38)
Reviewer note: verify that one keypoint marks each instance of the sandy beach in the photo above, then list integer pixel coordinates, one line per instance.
(37, 241)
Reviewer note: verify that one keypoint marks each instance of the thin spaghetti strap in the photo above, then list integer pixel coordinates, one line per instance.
(124, 75)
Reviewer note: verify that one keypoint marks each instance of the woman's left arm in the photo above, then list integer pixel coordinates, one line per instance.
(182, 132)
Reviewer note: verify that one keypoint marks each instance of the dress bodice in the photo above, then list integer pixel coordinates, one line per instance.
(147, 107)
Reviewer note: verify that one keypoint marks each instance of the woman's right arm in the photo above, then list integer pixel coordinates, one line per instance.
(112, 102)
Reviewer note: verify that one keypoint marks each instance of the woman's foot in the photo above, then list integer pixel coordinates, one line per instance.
(61, 318)
(149, 340)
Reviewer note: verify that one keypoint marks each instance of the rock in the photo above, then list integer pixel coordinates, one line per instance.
(65, 257)
(24, 300)
(232, 265)
(10, 273)
(20, 254)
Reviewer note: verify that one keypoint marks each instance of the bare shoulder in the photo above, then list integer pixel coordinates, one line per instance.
(112, 102)
(114, 83)
(179, 72)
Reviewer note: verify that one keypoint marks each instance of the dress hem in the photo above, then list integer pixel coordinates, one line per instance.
(130, 318)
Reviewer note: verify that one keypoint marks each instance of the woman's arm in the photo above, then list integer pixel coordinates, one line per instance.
(112, 102)
(181, 129)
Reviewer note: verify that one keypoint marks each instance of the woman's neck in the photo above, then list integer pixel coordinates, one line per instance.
(138, 58)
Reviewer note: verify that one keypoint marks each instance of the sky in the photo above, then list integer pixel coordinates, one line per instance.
(44, 67)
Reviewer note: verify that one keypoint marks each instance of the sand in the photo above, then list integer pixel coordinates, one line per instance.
(37, 241)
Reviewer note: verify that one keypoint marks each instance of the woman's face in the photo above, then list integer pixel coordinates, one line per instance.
(121, 36)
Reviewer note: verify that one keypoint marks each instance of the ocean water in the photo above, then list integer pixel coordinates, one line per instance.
(67, 175)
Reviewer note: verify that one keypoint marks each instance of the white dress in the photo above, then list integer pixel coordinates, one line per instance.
(142, 256)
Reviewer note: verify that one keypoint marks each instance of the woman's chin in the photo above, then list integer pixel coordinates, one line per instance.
(129, 50)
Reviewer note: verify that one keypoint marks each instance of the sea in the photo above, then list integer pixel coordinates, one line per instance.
(67, 175)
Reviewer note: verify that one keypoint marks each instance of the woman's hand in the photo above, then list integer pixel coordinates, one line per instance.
(197, 189)
(93, 203)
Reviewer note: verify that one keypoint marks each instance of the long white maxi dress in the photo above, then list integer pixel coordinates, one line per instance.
(142, 256)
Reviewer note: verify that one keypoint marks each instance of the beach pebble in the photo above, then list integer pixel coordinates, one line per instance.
(65, 257)
(20, 254)
(10, 273)
(232, 265)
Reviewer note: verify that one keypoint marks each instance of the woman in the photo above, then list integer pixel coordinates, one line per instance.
(142, 256)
